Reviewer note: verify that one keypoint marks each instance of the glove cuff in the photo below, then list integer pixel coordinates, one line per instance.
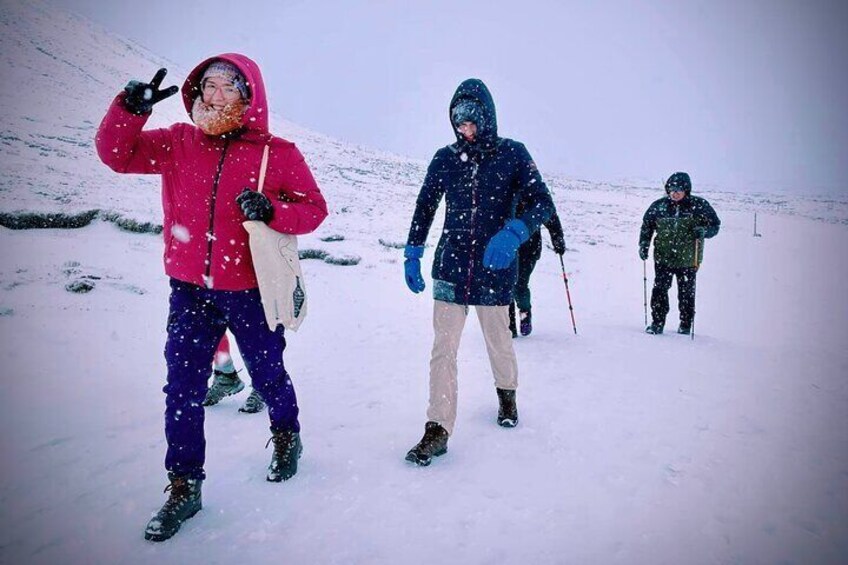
(518, 229)
(413, 251)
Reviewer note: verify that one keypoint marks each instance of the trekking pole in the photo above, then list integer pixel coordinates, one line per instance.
(694, 279)
(568, 295)
(645, 287)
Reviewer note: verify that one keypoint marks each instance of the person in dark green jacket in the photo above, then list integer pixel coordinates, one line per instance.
(681, 222)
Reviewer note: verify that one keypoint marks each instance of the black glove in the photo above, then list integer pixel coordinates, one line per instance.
(700, 232)
(141, 96)
(255, 206)
(643, 253)
(559, 245)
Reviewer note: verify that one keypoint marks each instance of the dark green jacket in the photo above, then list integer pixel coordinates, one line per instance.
(674, 224)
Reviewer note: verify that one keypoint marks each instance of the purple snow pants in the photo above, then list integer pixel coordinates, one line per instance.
(197, 319)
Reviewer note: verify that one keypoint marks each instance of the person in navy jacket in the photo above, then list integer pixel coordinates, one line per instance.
(481, 177)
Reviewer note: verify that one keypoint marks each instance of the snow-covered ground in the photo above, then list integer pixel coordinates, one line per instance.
(631, 449)
(732, 448)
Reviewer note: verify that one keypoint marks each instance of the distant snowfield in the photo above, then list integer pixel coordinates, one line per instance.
(731, 448)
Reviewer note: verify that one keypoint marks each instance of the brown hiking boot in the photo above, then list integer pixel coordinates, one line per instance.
(433, 444)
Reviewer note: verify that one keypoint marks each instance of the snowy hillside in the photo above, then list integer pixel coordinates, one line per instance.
(61, 72)
(732, 448)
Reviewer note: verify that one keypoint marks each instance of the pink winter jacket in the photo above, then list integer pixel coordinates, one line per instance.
(205, 242)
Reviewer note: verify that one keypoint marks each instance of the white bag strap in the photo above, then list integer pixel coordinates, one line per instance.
(263, 167)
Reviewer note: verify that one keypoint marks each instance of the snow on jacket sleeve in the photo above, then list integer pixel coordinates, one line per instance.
(539, 205)
(299, 206)
(125, 148)
(427, 203)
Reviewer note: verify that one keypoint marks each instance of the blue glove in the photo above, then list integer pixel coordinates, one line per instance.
(412, 268)
(700, 232)
(643, 253)
(500, 252)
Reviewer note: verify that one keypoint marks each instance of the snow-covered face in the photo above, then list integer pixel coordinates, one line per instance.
(468, 130)
(677, 195)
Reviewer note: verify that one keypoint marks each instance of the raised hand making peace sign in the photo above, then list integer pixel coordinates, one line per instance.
(141, 96)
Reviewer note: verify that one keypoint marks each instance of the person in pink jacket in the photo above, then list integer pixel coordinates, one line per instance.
(210, 171)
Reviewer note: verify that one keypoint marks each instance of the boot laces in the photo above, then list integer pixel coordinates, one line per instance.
(282, 442)
(180, 492)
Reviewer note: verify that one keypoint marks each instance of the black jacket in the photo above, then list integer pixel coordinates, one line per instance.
(532, 248)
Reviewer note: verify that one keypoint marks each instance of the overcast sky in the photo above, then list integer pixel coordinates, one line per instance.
(744, 95)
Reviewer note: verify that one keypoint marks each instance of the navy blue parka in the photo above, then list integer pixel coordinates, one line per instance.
(482, 183)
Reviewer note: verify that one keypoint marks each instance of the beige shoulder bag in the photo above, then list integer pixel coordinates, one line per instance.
(277, 267)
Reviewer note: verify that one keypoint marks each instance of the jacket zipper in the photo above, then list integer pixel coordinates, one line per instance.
(210, 235)
(474, 183)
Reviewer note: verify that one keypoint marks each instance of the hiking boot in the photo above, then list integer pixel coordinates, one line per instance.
(526, 324)
(433, 444)
(183, 503)
(253, 404)
(507, 409)
(223, 384)
(287, 450)
(684, 329)
(654, 329)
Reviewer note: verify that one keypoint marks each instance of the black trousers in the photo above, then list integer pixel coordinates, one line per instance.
(526, 263)
(685, 293)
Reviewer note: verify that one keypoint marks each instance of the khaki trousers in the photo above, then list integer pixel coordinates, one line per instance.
(448, 322)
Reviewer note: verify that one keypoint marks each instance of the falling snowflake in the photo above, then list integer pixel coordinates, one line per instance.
(180, 233)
